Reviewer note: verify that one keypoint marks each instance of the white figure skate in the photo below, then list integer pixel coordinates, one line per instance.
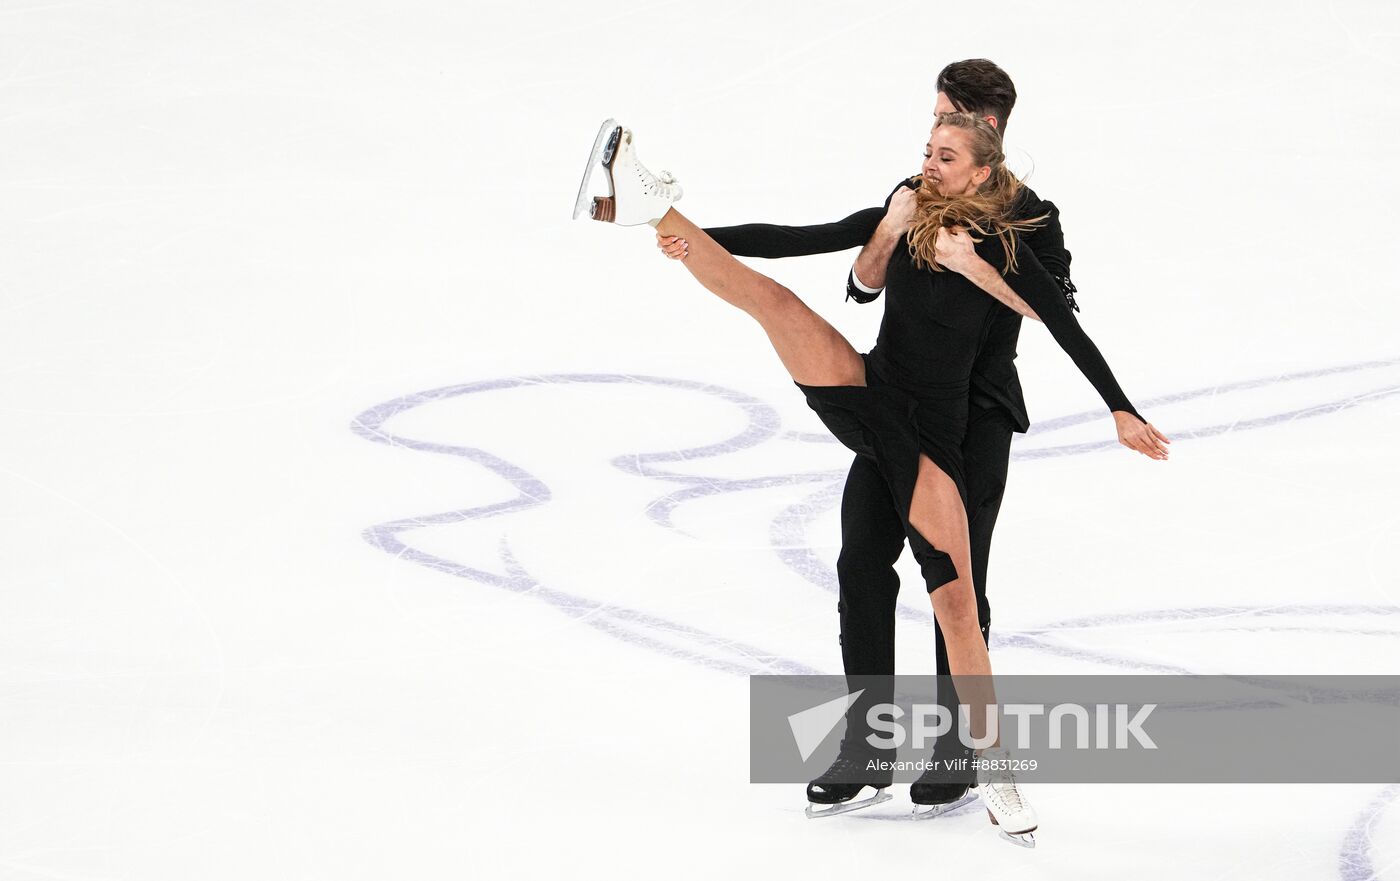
(1013, 816)
(635, 195)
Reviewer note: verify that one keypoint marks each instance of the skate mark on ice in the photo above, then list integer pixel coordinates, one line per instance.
(1321, 408)
(1235, 618)
(1355, 863)
(1056, 637)
(788, 539)
(790, 526)
(788, 530)
(660, 510)
(632, 626)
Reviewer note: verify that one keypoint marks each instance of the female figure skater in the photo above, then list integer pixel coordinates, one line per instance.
(905, 403)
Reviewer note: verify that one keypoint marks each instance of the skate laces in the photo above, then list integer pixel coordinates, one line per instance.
(1009, 796)
(665, 183)
(842, 767)
(1001, 782)
(847, 761)
(1006, 790)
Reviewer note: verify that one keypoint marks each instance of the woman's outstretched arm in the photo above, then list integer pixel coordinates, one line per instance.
(1038, 290)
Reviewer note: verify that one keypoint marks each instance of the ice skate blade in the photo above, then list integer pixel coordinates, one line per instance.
(1020, 839)
(933, 811)
(603, 146)
(817, 811)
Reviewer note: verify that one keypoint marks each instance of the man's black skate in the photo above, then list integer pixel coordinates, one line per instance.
(947, 785)
(833, 792)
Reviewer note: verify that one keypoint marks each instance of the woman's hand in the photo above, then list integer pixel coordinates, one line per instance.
(1135, 434)
(953, 249)
(674, 247)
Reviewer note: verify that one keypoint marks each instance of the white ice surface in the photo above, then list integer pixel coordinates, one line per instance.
(228, 229)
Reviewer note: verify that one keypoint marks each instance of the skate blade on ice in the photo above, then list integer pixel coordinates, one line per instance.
(1020, 839)
(601, 155)
(815, 811)
(931, 811)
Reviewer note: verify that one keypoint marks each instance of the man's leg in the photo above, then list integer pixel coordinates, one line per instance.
(872, 538)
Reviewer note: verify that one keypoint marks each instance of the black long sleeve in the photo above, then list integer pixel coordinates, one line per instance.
(773, 241)
(1034, 284)
(1048, 241)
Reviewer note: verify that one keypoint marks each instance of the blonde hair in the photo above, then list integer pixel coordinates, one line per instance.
(987, 212)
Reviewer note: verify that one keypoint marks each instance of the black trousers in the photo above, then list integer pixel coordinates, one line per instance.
(872, 538)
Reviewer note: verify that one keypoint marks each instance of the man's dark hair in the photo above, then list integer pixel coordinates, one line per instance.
(979, 87)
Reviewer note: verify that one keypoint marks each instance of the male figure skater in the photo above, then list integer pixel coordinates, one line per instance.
(872, 534)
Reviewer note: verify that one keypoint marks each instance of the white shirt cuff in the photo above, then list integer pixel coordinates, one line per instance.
(861, 285)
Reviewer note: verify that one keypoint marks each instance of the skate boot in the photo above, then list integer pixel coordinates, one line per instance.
(1013, 816)
(948, 783)
(833, 792)
(635, 195)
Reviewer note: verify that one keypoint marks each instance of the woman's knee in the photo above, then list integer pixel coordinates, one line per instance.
(955, 606)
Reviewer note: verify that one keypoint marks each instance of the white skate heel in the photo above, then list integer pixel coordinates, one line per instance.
(1013, 816)
(635, 195)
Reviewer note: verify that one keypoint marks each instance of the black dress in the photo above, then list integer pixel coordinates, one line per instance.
(918, 375)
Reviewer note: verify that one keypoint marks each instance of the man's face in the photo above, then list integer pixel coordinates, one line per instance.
(942, 104)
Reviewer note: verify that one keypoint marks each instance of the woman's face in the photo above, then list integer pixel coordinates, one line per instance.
(948, 166)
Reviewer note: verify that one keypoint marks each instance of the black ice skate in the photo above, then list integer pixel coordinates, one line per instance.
(947, 785)
(835, 790)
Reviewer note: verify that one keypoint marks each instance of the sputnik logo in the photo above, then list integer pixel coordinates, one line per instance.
(810, 727)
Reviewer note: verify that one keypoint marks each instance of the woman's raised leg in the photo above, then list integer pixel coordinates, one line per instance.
(813, 351)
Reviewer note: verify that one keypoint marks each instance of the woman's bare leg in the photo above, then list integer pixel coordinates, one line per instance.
(813, 351)
(937, 512)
